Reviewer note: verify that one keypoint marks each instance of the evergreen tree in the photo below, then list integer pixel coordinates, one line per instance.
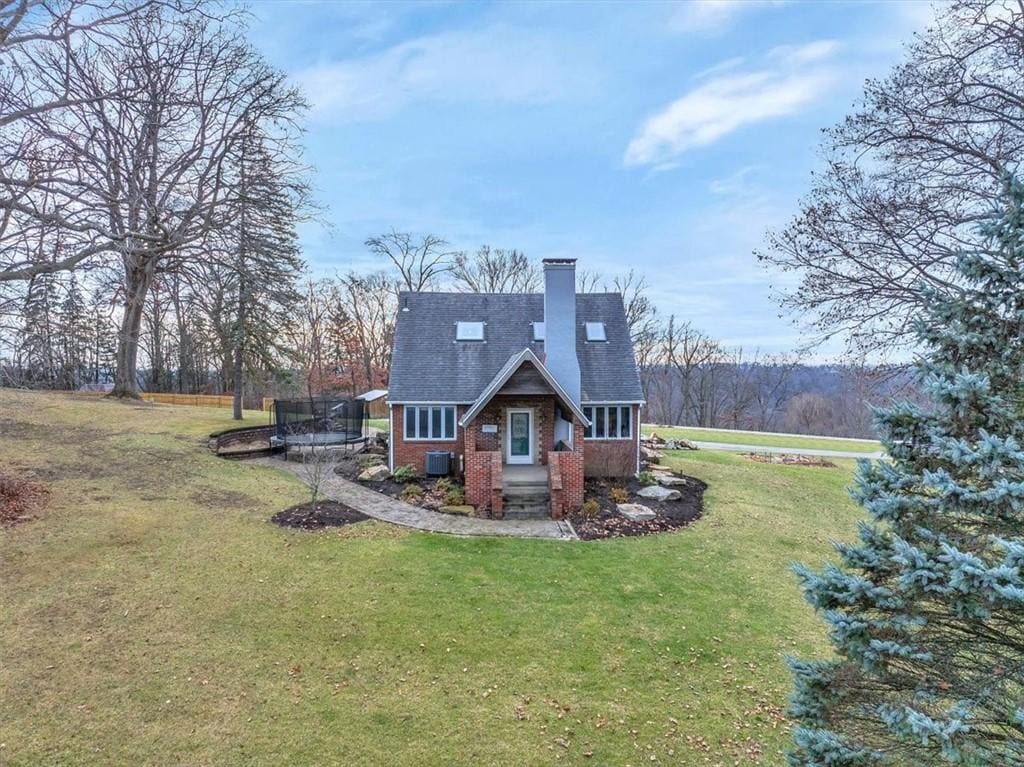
(263, 262)
(101, 338)
(72, 336)
(926, 611)
(38, 330)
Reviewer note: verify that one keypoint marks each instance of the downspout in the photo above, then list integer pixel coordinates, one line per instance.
(636, 420)
(391, 439)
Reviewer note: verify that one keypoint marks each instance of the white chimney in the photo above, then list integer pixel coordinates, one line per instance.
(560, 324)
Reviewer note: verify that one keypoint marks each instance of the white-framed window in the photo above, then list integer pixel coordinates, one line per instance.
(595, 331)
(469, 331)
(609, 421)
(430, 422)
(538, 331)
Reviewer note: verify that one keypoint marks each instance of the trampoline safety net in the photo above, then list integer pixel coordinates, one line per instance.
(320, 421)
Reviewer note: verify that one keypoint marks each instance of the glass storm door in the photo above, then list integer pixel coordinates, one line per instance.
(520, 436)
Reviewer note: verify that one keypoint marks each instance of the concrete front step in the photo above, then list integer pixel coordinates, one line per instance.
(524, 486)
(526, 495)
(527, 512)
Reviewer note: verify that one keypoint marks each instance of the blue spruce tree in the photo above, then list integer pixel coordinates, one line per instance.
(926, 610)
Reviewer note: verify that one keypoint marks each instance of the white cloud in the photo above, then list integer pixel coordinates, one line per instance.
(496, 65)
(797, 76)
(713, 16)
(706, 15)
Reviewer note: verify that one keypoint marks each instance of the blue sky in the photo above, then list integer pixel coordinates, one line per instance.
(664, 137)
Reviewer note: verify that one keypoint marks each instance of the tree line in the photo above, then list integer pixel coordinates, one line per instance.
(304, 336)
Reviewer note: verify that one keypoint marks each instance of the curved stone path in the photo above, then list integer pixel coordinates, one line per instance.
(387, 509)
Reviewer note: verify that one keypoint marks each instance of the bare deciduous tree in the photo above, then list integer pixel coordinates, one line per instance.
(908, 176)
(495, 270)
(420, 261)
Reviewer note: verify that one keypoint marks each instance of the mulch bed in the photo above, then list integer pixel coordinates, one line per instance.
(20, 499)
(324, 514)
(350, 468)
(671, 515)
(791, 459)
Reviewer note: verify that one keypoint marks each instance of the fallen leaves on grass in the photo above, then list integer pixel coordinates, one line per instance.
(20, 499)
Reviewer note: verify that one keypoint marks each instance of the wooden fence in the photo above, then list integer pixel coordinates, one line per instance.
(192, 400)
(195, 400)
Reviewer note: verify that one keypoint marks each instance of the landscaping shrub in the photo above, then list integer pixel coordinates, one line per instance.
(646, 478)
(454, 496)
(591, 509)
(619, 495)
(443, 485)
(405, 473)
(411, 493)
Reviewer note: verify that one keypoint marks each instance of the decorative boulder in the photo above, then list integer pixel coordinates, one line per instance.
(649, 455)
(659, 493)
(634, 512)
(375, 474)
(669, 480)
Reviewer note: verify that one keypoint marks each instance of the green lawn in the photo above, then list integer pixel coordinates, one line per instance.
(155, 616)
(763, 439)
(380, 423)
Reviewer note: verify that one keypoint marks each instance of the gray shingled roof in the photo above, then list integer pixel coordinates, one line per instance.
(429, 365)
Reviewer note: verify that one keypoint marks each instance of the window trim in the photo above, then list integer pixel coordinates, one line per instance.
(601, 411)
(449, 417)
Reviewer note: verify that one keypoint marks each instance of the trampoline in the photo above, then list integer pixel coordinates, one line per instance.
(325, 422)
(317, 439)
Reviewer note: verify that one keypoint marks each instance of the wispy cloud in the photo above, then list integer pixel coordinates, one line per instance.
(494, 65)
(707, 15)
(714, 16)
(794, 77)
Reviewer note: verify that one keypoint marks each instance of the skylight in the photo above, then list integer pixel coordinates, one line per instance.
(469, 331)
(595, 331)
(538, 331)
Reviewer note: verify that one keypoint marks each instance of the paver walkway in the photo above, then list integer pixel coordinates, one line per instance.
(387, 509)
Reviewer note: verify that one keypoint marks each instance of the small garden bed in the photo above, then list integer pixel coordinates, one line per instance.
(325, 513)
(435, 493)
(600, 518)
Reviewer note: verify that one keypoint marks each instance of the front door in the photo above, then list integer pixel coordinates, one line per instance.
(520, 436)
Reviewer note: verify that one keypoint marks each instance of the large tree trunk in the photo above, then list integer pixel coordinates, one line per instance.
(139, 278)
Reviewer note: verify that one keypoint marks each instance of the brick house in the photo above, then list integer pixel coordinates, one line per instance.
(528, 392)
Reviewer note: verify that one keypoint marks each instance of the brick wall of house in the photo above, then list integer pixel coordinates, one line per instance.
(613, 457)
(573, 471)
(414, 452)
(478, 479)
(566, 479)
